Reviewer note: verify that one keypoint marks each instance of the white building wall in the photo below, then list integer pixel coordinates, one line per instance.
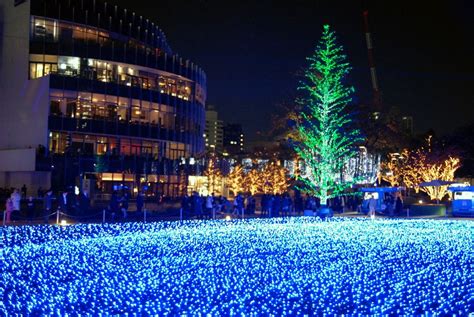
(24, 104)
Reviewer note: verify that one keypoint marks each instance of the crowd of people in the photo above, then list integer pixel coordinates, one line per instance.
(197, 206)
(270, 205)
(68, 202)
(119, 205)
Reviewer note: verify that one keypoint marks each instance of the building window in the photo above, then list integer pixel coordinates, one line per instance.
(44, 29)
(69, 66)
(38, 70)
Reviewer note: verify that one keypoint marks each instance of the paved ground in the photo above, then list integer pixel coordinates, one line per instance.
(173, 214)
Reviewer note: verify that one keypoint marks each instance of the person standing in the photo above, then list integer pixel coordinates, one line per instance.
(124, 205)
(9, 209)
(398, 205)
(16, 199)
(236, 205)
(276, 206)
(209, 202)
(286, 205)
(198, 205)
(30, 209)
(263, 205)
(40, 192)
(140, 202)
(113, 205)
(240, 204)
(270, 200)
(23, 191)
(184, 205)
(83, 203)
(372, 206)
(47, 205)
(64, 202)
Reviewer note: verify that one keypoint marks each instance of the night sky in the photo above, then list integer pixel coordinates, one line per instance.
(252, 52)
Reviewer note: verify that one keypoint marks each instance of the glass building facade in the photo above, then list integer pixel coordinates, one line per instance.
(120, 101)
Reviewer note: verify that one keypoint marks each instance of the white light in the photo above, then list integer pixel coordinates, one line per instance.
(420, 201)
(228, 217)
(63, 223)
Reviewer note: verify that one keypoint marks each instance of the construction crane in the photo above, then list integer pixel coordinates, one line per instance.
(376, 94)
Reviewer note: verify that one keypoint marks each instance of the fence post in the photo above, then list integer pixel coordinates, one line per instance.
(213, 214)
(243, 213)
(57, 216)
(181, 214)
(144, 215)
(408, 212)
(4, 217)
(103, 215)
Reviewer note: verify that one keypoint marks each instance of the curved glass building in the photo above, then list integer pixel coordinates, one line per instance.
(94, 92)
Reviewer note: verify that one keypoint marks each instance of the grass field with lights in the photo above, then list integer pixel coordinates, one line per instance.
(290, 266)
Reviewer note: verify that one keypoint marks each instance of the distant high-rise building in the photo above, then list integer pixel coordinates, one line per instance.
(407, 124)
(233, 138)
(213, 132)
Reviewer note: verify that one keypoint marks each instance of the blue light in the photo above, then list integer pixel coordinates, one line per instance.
(292, 266)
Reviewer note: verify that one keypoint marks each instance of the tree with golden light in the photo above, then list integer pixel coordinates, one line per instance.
(214, 176)
(252, 181)
(391, 170)
(443, 171)
(411, 168)
(266, 182)
(275, 178)
(235, 180)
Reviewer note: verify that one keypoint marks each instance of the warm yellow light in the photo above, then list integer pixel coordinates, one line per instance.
(228, 217)
(63, 223)
(420, 201)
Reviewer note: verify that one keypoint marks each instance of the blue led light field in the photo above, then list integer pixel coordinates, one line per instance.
(257, 267)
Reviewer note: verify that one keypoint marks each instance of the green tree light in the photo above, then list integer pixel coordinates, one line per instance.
(327, 138)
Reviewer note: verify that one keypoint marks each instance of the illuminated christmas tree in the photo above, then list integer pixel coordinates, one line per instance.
(327, 138)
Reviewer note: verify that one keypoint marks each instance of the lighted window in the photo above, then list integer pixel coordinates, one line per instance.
(44, 29)
(69, 65)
